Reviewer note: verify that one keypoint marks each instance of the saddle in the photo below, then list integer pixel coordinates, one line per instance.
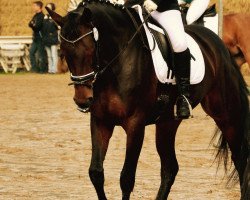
(163, 40)
(155, 39)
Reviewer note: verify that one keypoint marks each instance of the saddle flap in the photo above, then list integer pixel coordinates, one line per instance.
(162, 41)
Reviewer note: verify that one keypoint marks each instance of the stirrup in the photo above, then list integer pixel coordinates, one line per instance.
(189, 107)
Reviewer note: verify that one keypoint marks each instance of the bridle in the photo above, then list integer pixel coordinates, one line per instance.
(84, 79)
(78, 39)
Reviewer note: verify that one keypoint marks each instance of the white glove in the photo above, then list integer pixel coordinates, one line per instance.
(150, 6)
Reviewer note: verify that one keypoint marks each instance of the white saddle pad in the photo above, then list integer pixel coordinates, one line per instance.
(163, 72)
(212, 23)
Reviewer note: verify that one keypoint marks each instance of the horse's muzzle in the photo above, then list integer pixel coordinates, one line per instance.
(84, 107)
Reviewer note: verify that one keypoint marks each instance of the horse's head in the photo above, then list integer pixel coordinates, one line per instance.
(78, 43)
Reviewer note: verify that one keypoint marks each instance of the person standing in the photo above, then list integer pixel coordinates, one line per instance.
(50, 40)
(38, 63)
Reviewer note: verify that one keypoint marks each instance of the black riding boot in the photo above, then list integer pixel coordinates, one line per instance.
(182, 63)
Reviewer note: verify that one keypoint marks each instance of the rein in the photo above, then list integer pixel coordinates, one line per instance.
(83, 79)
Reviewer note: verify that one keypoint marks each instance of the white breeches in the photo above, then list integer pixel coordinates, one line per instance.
(171, 21)
(196, 9)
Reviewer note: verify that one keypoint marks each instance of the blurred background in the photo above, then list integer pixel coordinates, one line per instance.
(15, 15)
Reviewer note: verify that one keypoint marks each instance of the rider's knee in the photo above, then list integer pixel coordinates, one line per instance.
(180, 45)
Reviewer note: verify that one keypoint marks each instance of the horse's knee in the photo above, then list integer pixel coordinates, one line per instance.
(96, 177)
(127, 182)
(169, 174)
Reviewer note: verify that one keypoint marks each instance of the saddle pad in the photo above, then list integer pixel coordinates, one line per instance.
(212, 23)
(163, 72)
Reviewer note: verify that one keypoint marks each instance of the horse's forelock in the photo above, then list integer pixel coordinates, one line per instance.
(70, 28)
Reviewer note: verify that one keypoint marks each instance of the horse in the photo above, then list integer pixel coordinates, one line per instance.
(62, 66)
(114, 79)
(236, 36)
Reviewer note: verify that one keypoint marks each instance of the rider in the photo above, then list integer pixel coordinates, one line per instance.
(196, 9)
(169, 16)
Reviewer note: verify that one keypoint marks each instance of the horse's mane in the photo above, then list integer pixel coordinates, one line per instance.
(114, 4)
(70, 29)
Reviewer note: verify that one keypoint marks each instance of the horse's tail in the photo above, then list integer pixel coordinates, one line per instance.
(246, 176)
(223, 150)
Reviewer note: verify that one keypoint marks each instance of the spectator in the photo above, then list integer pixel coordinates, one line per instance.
(38, 64)
(50, 40)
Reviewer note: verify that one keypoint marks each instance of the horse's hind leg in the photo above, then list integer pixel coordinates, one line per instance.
(165, 143)
(229, 122)
(135, 135)
(101, 132)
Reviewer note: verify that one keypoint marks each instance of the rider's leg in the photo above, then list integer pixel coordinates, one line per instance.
(196, 9)
(172, 22)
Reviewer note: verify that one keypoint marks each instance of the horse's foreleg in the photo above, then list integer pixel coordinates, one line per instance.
(165, 143)
(101, 132)
(135, 136)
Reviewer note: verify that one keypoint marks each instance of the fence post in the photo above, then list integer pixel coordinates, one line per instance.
(220, 18)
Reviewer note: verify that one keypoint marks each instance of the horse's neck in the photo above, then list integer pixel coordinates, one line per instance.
(132, 66)
(115, 30)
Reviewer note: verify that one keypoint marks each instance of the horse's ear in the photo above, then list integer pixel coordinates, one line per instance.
(86, 15)
(56, 17)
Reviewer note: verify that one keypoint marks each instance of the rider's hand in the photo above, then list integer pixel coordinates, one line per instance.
(150, 6)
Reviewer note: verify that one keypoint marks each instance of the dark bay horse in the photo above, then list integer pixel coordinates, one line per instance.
(114, 77)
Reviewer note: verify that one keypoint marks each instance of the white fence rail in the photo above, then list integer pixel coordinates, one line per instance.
(14, 53)
(16, 40)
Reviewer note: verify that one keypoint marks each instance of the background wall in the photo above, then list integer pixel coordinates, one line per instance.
(14, 17)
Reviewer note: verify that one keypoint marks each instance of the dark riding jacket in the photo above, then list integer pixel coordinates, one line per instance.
(49, 32)
(163, 5)
(36, 24)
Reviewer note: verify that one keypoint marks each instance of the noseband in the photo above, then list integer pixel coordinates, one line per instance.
(82, 80)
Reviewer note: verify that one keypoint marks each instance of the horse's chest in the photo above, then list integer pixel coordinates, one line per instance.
(110, 106)
(116, 106)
